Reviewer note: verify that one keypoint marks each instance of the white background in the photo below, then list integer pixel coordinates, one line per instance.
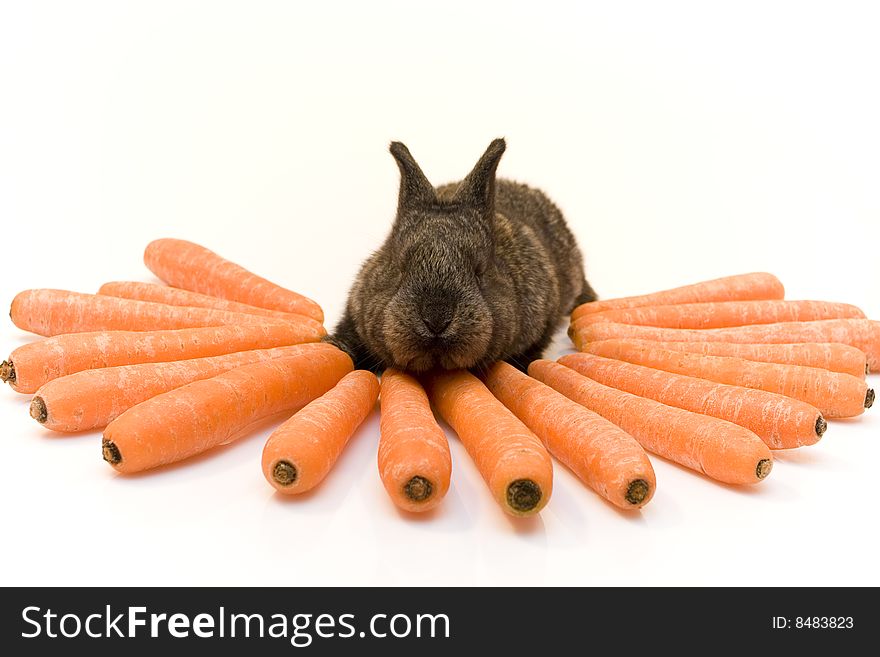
(683, 141)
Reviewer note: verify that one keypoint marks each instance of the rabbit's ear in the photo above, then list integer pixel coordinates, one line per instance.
(478, 188)
(415, 190)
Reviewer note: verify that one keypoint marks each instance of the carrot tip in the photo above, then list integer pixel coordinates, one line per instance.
(821, 426)
(7, 372)
(523, 495)
(38, 410)
(418, 489)
(110, 452)
(284, 473)
(637, 491)
(764, 468)
(869, 398)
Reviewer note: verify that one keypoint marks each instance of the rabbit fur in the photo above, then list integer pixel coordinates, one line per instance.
(471, 272)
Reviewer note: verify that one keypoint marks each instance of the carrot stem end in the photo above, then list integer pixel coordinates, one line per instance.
(763, 469)
(418, 489)
(7, 372)
(523, 495)
(38, 410)
(869, 398)
(284, 473)
(110, 452)
(637, 491)
(821, 426)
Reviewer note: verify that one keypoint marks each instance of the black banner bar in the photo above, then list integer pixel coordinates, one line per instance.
(421, 621)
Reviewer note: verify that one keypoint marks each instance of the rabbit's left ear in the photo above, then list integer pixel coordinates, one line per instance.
(478, 188)
(415, 190)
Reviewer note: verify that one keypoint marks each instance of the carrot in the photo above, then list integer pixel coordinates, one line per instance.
(836, 395)
(743, 287)
(53, 312)
(724, 313)
(300, 453)
(719, 449)
(779, 421)
(601, 454)
(34, 364)
(174, 296)
(192, 267)
(91, 399)
(510, 458)
(203, 414)
(828, 355)
(414, 461)
(863, 334)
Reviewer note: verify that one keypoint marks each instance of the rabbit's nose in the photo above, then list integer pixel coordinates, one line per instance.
(436, 317)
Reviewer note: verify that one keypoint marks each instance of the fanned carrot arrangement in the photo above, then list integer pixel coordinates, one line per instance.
(827, 356)
(91, 399)
(863, 334)
(723, 314)
(300, 453)
(779, 421)
(211, 412)
(34, 364)
(414, 461)
(732, 349)
(600, 453)
(176, 297)
(56, 312)
(712, 375)
(833, 393)
(511, 459)
(717, 448)
(192, 267)
(758, 286)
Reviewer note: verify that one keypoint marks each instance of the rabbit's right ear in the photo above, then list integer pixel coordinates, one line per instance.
(415, 190)
(478, 188)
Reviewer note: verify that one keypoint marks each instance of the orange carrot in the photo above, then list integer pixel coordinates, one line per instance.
(414, 461)
(828, 355)
(34, 364)
(511, 459)
(717, 448)
(203, 414)
(724, 313)
(863, 334)
(834, 394)
(601, 454)
(300, 453)
(54, 312)
(192, 267)
(744, 287)
(781, 422)
(174, 296)
(91, 399)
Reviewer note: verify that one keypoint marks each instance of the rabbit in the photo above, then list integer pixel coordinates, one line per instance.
(471, 273)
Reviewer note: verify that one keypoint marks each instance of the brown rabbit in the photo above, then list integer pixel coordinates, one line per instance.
(471, 273)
